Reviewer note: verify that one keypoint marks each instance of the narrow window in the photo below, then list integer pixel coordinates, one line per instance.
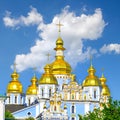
(55, 108)
(73, 118)
(49, 92)
(73, 109)
(95, 94)
(42, 92)
(28, 101)
(15, 99)
(9, 99)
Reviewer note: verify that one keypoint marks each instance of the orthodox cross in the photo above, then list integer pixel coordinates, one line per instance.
(48, 55)
(91, 57)
(102, 71)
(34, 69)
(15, 64)
(59, 26)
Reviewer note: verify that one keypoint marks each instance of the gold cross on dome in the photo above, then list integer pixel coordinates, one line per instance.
(91, 57)
(15, 64)
(59, 26)
(34, 69)
(48, 55)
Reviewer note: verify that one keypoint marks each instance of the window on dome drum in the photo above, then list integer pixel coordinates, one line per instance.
(42, 92)
(9, 99)
(73, 109)
(50, 92)
(21, 99)
(28, 101)
(15, 99)
(95, 94)
(72, 118)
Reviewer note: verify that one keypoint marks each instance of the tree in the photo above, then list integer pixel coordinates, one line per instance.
(110, 111)
(9, 116)
(30, 118)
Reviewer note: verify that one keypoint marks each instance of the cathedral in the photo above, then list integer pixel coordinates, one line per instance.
(56, 95)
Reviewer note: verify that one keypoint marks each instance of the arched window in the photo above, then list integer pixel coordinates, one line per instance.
(42, 92)
(55, 108)
(9, 99)
(21, 99)
(28, 101)
(15, 99)
(73, 118)
(72, 96)
(95, 94)
(73, 109)
(50, 92)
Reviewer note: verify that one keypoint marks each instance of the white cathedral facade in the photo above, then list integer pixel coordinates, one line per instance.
(56, 95)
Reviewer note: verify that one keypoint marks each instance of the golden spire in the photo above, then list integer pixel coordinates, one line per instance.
(14, 85)
(60, 66)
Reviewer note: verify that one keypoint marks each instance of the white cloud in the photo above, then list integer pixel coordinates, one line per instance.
(110, 48)
(75, 30)
(32, 18)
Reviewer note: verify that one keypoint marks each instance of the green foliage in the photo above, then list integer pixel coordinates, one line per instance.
(9, 116)
(110, 111)
(30, 118)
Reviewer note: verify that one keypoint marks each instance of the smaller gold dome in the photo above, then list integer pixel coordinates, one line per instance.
(32, 89)
(47, 77)
(105, 89)
(14, 85)
(91, 79)
(59, 44)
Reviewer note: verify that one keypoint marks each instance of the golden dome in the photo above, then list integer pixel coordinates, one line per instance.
(91, 79)
(14, 85)
(105, 89)
(47, 77)
(59, 44)
(32, 89)
(60, 66)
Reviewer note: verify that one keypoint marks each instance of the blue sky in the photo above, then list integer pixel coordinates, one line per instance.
(28, 32)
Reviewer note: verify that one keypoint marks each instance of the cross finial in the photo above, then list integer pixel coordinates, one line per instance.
(91, 57)
(102, 71)
(59, 26)
(48, 55)
(15, 64)
(34, 69)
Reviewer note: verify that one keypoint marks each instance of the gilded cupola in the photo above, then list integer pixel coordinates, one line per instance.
(32, 89)
(60, 66)
(91, 79)
(14, 86)
(105, 89)
(47, 77)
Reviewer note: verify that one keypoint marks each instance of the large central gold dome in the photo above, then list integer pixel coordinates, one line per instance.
(14, 85)
(60, 66)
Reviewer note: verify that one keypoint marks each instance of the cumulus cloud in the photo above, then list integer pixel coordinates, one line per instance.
(76, 29)
(32, 18)
(110, 48)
